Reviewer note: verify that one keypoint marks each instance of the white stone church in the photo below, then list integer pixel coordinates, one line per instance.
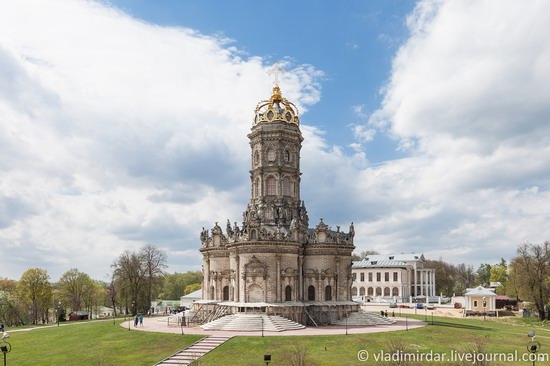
(274, 262)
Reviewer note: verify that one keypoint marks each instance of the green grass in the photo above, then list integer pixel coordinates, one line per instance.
(102, 343)
(446, 335)
(92, 343)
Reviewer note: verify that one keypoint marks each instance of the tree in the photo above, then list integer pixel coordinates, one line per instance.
(9, 313)
(363, 254)
(175, 285)
(499, 274)
(35, 291)
(155, 262)
(530, 273)
(484, 274)
(74, 286)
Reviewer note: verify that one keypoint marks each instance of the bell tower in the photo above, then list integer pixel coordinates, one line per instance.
(275, 143)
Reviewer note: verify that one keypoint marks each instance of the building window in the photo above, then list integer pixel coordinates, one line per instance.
(370, 291)
(475, 303)
(354, 276)
(395, 291)
(271, 184)
(311, 293)
(226, 293)
(286, 186)
(395, 276)
(378, 291)
(328, 293)
(387, 276)
(362, 277)
(378, 277)
(386, 291)
(354, 291)
(370, 276)
(362, 291)
(288, 293)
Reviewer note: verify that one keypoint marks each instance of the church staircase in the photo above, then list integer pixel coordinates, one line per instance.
(193, 352)
(361, 318)
(252, 322)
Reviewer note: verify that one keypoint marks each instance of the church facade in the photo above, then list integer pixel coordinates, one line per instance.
(274, 259)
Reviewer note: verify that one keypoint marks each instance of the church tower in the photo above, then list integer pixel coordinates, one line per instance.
(274, 260)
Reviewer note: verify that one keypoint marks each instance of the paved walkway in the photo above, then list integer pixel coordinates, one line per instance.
(160, 324)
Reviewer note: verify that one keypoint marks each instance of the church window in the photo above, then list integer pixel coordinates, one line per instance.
(271, 186)
(362, 291)
(378, 277)
(354, 291)
(328, 293)
(387, 276)
(253, 234)
(288, 293)
(354, 276)
(226, 293)
(286, 186)
(395, 276)
(256, 158)
(370, 291)
(386, 291)
(370, 276)
(362, 277)
(395, 291)
(257, 187)
(271, 155)
(378, 291)
(311, 293)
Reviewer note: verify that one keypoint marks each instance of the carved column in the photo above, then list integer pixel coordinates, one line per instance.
(278, 279)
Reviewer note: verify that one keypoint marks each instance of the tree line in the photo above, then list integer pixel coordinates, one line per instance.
(137, 278)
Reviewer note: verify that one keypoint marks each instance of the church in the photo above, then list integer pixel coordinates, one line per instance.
(274, 262)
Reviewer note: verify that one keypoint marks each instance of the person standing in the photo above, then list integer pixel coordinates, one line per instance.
(136, 321)
(140, 320)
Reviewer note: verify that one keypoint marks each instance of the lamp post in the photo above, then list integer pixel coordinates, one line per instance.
(58, 312)
(5, 347)
(347, 323)
(131, 315)
(484, 306)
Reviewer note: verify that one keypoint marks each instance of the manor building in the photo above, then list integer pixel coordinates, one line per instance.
(394, 277)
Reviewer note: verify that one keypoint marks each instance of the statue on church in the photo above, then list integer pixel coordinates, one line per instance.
(351, 231)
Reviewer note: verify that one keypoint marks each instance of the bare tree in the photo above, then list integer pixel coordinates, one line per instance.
(154, 260)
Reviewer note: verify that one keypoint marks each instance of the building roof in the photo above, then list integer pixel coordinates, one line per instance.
(193, 295)
(388, 260)
(479, 291)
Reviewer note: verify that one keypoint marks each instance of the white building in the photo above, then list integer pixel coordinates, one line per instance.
(395, 277)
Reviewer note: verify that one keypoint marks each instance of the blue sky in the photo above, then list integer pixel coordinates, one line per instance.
(124, 123)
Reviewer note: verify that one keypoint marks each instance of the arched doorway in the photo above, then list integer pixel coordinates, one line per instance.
(225, 293)
(311, 293)
(255, 294)
(288, 293)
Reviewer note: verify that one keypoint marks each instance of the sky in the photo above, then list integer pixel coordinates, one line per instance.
(124, 123)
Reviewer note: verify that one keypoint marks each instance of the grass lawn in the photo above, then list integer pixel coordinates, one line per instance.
(447, 334)
(92, 343)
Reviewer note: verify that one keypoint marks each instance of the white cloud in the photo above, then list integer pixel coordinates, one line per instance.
(117, 133)
(469, 98)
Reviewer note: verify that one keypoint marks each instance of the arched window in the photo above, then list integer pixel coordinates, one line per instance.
(354, 291)
(253, 234)
(257, 187)
(226, 293)
(288, 293)
(370, 291)
(378, 291)
(362, 291)
(256, 158)
(286, 186)
(395, 291)
(328, 293)
(311, 293)
(386, 291)
(271, 186)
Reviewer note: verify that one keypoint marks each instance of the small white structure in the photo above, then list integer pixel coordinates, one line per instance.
(480, 300)
(190, 298)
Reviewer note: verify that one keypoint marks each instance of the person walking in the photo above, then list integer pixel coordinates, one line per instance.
(136, 319)
(140, 320)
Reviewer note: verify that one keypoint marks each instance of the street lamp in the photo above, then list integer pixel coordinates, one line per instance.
(347, 323)
(5, 347)
(130, 317)
(58, 312)
(484, 306)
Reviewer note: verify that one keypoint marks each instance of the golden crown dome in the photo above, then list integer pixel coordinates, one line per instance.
(276, 109)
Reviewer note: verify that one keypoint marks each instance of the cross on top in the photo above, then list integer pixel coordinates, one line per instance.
(276, 71)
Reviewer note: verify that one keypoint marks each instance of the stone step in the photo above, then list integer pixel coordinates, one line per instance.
(194, 351)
